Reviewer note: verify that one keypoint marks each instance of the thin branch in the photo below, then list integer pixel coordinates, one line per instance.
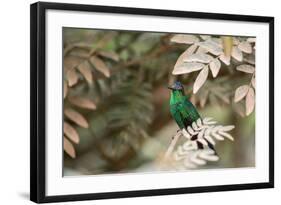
(172, 145)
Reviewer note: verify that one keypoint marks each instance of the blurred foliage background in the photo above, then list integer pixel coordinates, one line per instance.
(116, 103)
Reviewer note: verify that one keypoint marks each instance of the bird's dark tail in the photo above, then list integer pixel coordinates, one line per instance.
(212, 147)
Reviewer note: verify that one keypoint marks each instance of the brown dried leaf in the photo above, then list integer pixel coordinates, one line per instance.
(250, 59)
(211, 46)
(199, 58)
(72, 77)
(225, 59)
(240, 93)
(70, 132)
(100, 66)
(178, 68)
(218, 41)
(201, 50)
(82, 102)
(85, 70)
(237, 53)
(69, 62)
(184, 38)
(215, 66)
(185, 54)
(76, 117)
(109, 54)
(64, 89)
(246, 68)
(245, 47)
(253, 81)
(201, 79)
(227, 45)
(188, 68)
(250, 101)
(68, 148)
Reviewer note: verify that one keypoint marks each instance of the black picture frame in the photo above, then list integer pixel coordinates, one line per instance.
(38, 100)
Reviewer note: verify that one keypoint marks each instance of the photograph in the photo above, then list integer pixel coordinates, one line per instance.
(134, 102)
(145, 102)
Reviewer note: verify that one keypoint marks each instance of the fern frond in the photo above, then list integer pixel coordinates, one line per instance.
(204, 132)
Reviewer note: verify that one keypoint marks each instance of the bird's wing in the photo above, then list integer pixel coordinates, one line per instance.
(188, 112)
(175, 110)
(193, 113)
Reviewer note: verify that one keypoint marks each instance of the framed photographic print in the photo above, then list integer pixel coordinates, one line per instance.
(129, 102)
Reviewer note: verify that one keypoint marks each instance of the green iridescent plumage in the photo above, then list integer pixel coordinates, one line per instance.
(182, 110)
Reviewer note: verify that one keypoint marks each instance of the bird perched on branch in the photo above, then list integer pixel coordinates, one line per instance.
(183, 111)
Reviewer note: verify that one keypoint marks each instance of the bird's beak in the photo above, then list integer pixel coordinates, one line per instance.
(170, 87)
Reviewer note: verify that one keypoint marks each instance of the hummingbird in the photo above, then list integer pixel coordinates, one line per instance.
(183, 111)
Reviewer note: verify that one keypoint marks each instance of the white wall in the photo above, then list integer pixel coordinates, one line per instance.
(14, 101)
